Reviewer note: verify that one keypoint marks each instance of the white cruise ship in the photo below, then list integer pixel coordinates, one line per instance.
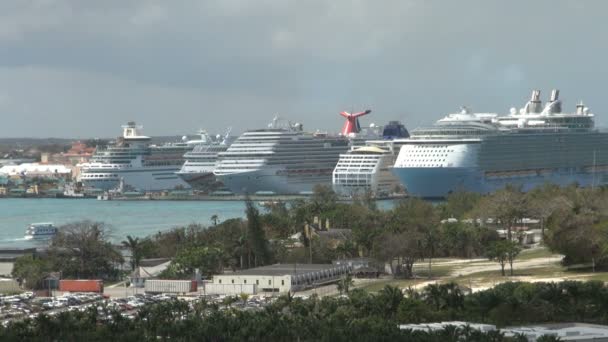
(368, 168)
(483, 152)
(139, 164)
(282, 159)
(197, 171)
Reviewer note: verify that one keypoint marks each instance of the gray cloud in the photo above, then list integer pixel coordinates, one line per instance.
(73, 68)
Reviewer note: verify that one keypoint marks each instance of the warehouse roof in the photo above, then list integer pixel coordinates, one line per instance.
(283, 269)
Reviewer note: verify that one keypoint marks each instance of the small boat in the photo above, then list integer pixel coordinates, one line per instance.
(40, 231)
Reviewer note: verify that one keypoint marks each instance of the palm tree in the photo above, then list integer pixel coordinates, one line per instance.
(345, 284)
(133, 244)
(215, 219)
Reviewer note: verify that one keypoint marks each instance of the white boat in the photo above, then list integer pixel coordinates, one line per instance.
(143, 166)
(40, 231)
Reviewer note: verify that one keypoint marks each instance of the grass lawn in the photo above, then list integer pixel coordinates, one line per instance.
(534, 253)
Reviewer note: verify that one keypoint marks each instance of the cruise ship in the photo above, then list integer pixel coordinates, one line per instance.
(139, 164)
(483, 152)
(281, 159)
(197, 171)
(368, 168)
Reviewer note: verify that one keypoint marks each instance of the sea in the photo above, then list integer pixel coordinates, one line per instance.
(135, 218)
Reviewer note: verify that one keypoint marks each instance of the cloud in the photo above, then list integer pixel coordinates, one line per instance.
(66, 64)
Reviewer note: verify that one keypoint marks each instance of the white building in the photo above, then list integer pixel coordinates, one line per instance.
(36, 170)
(283, 278)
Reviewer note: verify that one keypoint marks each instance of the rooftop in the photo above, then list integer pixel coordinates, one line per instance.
(283, 269)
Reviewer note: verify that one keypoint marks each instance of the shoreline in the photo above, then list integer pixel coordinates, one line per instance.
(201, 198)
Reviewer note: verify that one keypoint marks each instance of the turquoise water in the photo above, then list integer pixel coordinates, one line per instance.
(135, 218)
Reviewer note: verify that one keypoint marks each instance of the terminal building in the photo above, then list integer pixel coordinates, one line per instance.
(280, 278)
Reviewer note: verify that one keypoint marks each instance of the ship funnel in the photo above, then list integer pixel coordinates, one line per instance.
(534, 105)
(580, 108)
(554, 105)
(352, 122)
(554, 95)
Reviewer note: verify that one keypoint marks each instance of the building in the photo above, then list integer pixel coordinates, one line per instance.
(361, 267)
(442, 325)
(579, 332)
(31, 170)
(564, 331)
(284, 278)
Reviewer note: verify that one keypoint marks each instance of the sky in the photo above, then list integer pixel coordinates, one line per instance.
(82, 68)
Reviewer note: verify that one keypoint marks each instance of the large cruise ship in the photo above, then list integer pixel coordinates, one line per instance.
(483, 152)
(197, 171)
(139, 164)
(281, 159)
(368, 168)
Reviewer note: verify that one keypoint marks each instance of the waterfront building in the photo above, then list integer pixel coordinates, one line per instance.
(281, 278)
(32, 170)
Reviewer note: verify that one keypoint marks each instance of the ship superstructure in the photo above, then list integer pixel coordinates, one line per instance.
(280, 159)
(139, 164)
(197, 171)
(368, 168)
(483, 152)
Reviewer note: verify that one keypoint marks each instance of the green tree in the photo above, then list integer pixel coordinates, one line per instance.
(31, 271)
(503, 252)
(345, 284)
(134, 246)
(83, 250)
(256, 235)
(214, 219)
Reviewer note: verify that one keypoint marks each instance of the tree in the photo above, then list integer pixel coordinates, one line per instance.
(256, 235)
(214, 219)
(209, 260)
(506, 206)
(133, 244)
(83, 250)
(345, 284)
(503, 252)
(31, 271)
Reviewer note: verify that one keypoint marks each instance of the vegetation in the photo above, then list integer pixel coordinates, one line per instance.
(80, 250)
(574, 221)
(358, 316)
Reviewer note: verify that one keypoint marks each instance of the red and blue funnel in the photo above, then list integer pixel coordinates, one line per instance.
(352, 122)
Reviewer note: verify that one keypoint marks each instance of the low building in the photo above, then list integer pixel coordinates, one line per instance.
(442, 325)
(284, 278)
(361, 267)
(30, 170)
(564, 331)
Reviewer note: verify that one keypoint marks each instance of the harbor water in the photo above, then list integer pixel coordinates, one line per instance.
(135, 218)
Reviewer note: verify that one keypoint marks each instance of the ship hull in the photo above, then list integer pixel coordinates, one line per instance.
(272, 180)
(143, 180)
(440, 182)
(201, 181)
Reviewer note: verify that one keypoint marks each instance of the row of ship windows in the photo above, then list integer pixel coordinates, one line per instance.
(426, 155)
(99, 176)
(423, 165)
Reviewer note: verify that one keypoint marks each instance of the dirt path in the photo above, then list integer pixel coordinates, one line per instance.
(493, 266)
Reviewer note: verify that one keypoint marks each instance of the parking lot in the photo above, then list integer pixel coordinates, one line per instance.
(26, 305)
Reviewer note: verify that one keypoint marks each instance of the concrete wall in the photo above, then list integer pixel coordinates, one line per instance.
(229, 289)
(263, 283)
